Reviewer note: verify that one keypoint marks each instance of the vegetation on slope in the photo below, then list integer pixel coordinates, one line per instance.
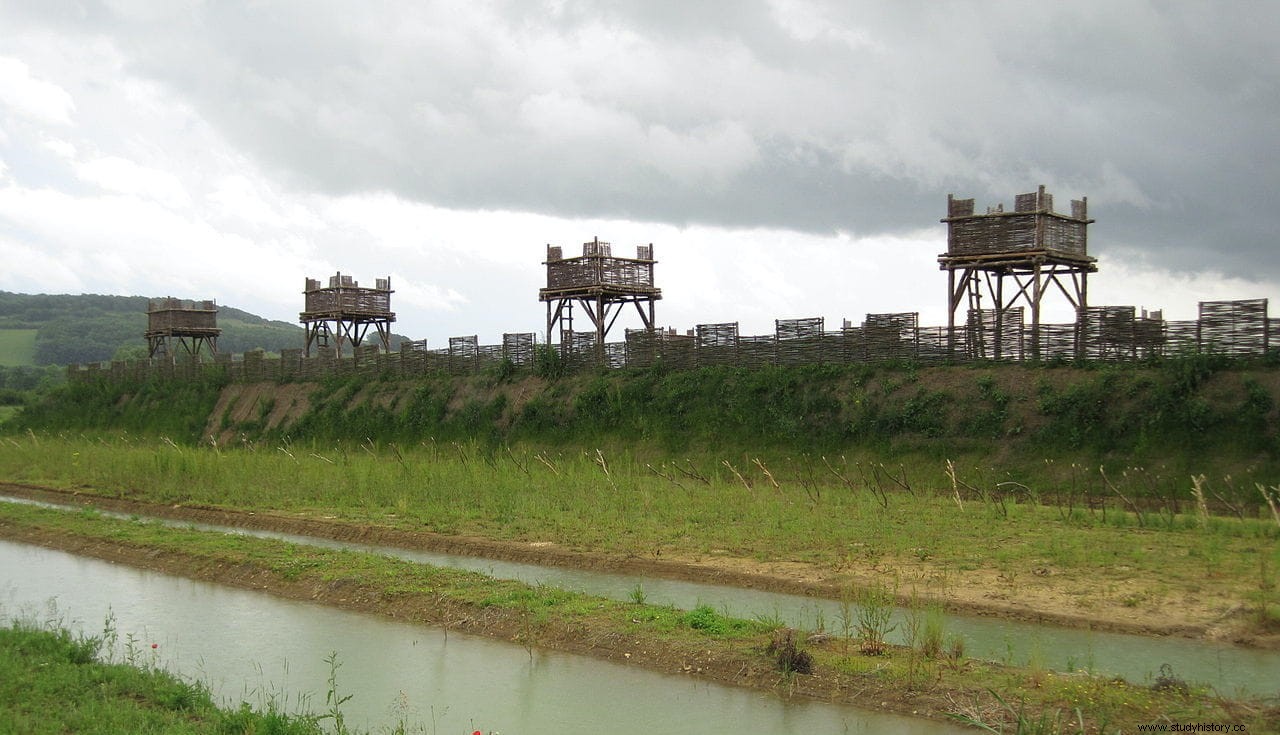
(1198, 414)
(92, 328)
(24, 384)
(53, 681)
(170, 408)
(17, 347)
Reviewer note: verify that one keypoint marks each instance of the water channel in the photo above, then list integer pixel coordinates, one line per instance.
(249, 646)
(1232, 670)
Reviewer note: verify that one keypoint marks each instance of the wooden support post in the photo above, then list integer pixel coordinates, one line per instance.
(998, 350)
(951, 313)
(1036, 292)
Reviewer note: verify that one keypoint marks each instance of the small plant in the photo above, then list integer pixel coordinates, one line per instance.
(931, 639)
(1202, 508)
(1166, 681)
(771, 620)
(1272, 496)
(791, 660)
(547, 362)
(914, 623)
(1023, 722)
(875, 613)
(847, 618)
(504, 371)
(332, 699)
(84, 649)
(637, 594)
(1267, 612)
(705, 618)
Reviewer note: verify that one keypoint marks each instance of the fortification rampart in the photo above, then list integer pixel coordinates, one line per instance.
(1104, 333)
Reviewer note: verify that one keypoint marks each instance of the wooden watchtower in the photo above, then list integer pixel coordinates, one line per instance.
(601, 283)
(181, 325)
(342, 313)
(1033, 248)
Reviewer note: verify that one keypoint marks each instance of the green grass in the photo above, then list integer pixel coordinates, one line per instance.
(8, 412)
(54, 682)
(550, 614)
(17, 347)
(620, 504)
(175, 408)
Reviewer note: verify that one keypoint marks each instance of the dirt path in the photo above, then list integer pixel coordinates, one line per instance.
(1052, 599)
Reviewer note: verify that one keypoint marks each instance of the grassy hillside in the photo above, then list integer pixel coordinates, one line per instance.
(65, 329)
(1158, 423)
(17, 347)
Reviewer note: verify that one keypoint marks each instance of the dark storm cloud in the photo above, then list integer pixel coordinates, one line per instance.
(814, 117)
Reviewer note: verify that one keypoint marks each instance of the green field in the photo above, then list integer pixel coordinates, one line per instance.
(17, 347)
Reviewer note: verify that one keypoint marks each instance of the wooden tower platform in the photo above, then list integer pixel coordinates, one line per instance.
(1012, 259)
(602, 284)
(175, 325)
(343, 312)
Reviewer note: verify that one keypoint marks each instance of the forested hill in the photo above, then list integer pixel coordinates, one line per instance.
(91, 327)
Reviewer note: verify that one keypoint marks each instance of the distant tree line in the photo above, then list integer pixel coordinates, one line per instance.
(94, 328)
(19, 383)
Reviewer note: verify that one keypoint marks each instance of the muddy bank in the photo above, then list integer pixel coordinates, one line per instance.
(980, 593)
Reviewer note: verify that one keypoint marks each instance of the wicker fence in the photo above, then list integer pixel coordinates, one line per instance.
(1103, 333)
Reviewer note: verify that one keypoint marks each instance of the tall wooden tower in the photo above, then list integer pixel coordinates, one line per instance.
(1012, 259)
(342, 313)
(181, 325)
(601, 283)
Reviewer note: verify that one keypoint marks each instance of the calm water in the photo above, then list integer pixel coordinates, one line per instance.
(252, 647)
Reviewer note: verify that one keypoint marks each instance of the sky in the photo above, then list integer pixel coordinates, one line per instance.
(785, 158)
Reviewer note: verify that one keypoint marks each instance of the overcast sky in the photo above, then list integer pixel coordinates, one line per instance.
(786, 158)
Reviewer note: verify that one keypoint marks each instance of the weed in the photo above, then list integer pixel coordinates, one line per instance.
(790, 658)
(1023, 723)
(333, 700)
(707, 620)
(1166, 681)
(875, 613)
(848, 620)
(934, 634)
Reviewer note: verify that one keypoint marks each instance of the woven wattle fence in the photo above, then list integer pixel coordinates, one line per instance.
(988, 337)
(518, 349)
(1234, 327)
(1101, 333)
